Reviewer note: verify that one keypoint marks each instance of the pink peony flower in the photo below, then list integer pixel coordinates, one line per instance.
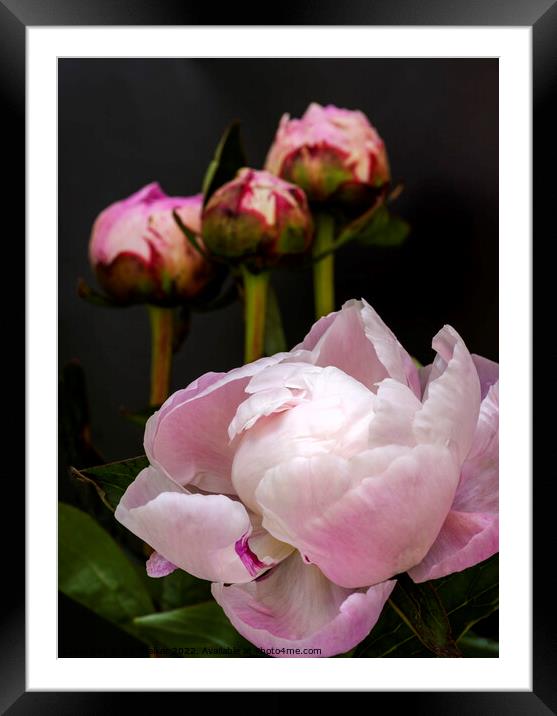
(256, 214)
(331, 153)
(303, 483)
(139, 254)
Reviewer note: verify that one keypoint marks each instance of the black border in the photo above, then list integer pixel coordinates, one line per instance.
(15, 16)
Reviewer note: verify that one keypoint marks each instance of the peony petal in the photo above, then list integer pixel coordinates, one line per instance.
(465, 540)
(259, 550)
(316, 331)
(424, 373)
(478, 490)
(197, 533)
(295, 608)
(187, 438)
(121, 228)
(451, 400)
(393, 356)
(488, 372)
(345, 345)
(262, 404)
(333, 415)
(268, 550)
(471, 532)
(295, 376)
(124, 227)
(394, 411)
(158, 566)
(356, 340)
(364, 520)
(148, 485)
(180, 397)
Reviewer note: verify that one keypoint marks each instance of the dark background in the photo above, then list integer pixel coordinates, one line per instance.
(125, 123)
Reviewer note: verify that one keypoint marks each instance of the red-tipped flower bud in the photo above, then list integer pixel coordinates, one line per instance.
(140, 255)
(334, 155)
(257, 216)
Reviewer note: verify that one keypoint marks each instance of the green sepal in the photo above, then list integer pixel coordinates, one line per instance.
(89, 294)
(229, 158)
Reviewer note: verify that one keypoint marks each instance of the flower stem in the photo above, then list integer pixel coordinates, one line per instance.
(255, 306)
(162, 328)
(324, 269)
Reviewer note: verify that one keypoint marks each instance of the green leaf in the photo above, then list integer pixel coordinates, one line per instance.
(94, 571)
(394, 233)
(357, 228)
(275, 340)
(391, 638)
(473, 646)
(467, 597)
(229, 157)
(420, 608)
(181, 589)
(112, 480)
(376, 227)
(384, 229)
(201, 630)
(471, 595)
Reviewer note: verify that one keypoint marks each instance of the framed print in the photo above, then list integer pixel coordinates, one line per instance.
(273, 272)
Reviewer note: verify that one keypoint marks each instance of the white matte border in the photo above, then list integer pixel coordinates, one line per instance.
(512, 670)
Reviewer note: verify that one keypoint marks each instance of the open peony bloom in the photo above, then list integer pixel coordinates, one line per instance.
(303, 483)
(139, 254)
(257, 215)
(331, 153)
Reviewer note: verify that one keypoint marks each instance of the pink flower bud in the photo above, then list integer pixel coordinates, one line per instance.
(139, 254)
(257, 215)
(333, 154)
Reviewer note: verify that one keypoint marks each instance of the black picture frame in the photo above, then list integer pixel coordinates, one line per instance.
(15, 16)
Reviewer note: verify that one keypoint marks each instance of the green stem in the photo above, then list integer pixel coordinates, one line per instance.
(255, 305)
(324, 269)
(162, 329)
